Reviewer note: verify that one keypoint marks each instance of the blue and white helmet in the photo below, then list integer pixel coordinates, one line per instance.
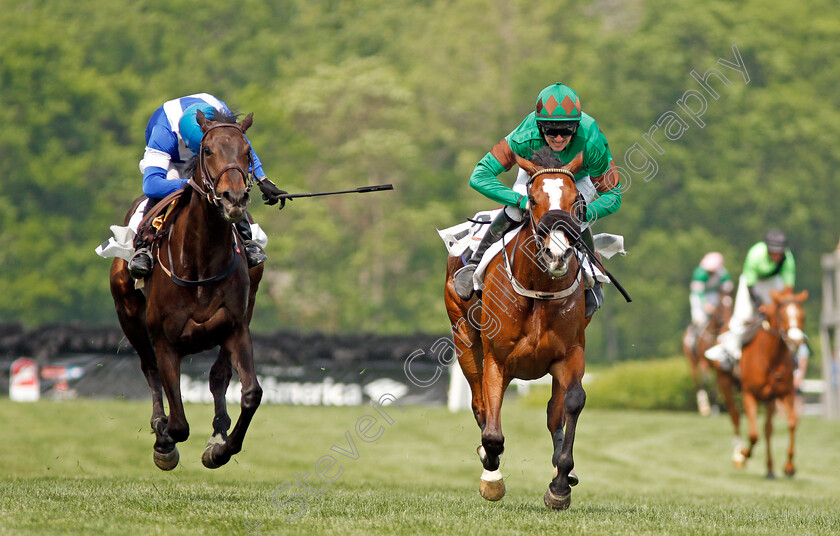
(188, 124)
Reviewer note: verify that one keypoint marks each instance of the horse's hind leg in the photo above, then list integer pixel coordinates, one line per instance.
(567, 401)
(130, 306)
(241, 352)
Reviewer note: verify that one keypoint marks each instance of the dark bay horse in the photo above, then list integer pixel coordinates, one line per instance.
(767, 365)
(528, 322)
(199, 295)
(694, 346)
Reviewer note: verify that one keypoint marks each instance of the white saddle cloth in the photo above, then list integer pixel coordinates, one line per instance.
(122, 243)
(462, 239)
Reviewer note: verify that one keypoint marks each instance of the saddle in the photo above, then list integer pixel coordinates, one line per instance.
(752, 328)
(154, 223)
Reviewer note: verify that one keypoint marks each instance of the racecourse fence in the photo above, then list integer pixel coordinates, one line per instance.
(293, 368)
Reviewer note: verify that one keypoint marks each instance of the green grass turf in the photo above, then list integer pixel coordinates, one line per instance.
(85, 467)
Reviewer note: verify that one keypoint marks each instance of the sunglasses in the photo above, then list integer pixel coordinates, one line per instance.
(563, 132)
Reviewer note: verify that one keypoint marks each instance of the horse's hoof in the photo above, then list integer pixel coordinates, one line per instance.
(492, 485)
(703, 405)
(738, 458)
(771, 476)
(167, 461)
(573, 478)
(557, 502)
(492, 491)
(789, 471)
(207, 458)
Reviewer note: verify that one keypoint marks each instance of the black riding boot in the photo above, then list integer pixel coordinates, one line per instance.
(253, 252)
(463, 278)
(593, 297)
(140, 264)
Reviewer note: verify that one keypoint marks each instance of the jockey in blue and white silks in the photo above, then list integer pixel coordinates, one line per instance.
(173, 137)
(167, 152)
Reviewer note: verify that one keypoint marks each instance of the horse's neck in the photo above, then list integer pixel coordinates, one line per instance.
(204, 233)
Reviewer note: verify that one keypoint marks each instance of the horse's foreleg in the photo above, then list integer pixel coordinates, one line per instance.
(792, 420)
(220, 374)
(130, 305)
(494, 383)
(176, 428)
(471, 360)
(725, 387)
(218, 452)
(751, 411)
(568, 373)
(768, 434)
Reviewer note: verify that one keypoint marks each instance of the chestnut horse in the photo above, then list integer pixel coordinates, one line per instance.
(694, 346)
(767, 366)
(199, 295)
(528, 322)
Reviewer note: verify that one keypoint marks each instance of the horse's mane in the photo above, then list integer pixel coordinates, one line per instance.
(225, 116)
(545, 157)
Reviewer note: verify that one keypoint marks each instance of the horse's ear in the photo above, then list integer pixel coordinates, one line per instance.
(246, 123)
(776, 296)
(802, 296)
(202, 121)
(529, 167)
(576, 163)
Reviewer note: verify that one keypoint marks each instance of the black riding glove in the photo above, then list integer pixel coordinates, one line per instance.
(271, 193)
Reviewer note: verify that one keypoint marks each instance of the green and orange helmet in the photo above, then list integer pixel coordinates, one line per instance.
(558, 103)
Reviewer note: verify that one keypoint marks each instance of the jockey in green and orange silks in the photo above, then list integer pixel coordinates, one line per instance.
(559, 123)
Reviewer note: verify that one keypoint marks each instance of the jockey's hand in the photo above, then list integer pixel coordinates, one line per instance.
(271, 192)
(708, 308)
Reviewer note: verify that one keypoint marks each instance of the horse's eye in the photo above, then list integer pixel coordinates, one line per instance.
(206, 150)
(532, 201)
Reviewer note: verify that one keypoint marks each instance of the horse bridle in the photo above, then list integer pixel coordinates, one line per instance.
(209, 184)
(782, 334)
(508, 262)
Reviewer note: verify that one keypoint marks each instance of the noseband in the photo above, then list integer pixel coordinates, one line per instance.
(209, 184)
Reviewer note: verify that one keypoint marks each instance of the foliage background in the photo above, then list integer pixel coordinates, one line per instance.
(414, 93)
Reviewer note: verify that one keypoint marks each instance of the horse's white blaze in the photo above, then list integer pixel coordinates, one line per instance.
(793, 315)
(558, 243)
(554, 189)
(491, 476)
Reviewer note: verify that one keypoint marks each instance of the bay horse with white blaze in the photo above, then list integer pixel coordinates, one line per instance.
(767, 365)
(528, 322)
(199, 295)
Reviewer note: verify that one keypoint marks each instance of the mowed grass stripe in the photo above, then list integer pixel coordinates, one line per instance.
(83, 467)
